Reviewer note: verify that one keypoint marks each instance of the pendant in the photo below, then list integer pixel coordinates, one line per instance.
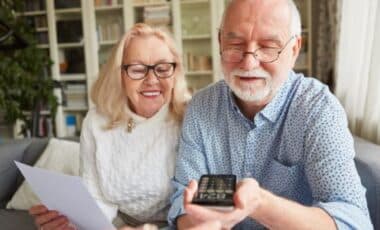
(131, 125)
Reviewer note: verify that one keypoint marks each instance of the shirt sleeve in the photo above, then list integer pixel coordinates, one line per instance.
(88, 169)
(191, 161)
(330, 167)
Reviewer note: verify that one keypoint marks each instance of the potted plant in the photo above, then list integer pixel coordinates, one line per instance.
(25, 87)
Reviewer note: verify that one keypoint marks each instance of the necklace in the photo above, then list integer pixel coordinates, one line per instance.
(131, 125)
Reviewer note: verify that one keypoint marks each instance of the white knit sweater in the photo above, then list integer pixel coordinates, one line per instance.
(130, 172)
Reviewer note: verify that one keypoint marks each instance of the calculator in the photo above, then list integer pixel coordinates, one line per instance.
(216, 191)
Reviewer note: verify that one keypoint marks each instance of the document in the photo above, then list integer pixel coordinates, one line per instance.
(68, 195)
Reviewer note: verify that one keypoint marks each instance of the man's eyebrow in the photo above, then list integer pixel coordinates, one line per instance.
(231, 35)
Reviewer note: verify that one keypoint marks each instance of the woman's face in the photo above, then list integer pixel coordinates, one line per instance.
(146, 96)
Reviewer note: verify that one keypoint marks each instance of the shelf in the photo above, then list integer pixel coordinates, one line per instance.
(32, 13)
(189, 2)
(70, 45)
(42, 29)
(198, 73)
(75, 109)
(73, 77)
(42, 112)
(43, 46)
(68, 11)
(108, 8)
(196, 37)
(108, 43)
(138, 5)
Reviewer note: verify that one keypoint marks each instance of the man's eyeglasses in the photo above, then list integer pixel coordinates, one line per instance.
(264, 55)
(140, 71)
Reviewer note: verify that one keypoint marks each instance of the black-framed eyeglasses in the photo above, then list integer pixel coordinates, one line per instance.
(264, 55)
(140, 71)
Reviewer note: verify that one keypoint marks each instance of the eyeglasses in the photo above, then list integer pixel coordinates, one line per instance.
(264, 55)
(140, 71)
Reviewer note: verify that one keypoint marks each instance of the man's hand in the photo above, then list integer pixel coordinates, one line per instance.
(247, 200)
(210, 225)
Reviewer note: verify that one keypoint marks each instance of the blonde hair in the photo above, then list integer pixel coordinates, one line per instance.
(108, 93)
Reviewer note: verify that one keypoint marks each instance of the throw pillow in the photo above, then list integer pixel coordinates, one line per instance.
(61, 156)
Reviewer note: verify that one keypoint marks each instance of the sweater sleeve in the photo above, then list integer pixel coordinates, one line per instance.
(88, 169)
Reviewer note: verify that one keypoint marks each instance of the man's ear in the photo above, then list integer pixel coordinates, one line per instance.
(297, 46)
(296, 49)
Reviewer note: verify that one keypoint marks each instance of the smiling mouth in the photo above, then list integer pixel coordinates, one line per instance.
(151, 93)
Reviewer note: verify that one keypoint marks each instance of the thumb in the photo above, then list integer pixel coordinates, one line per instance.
(190, 191)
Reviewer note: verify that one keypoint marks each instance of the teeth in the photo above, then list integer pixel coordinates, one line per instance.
(150, 94)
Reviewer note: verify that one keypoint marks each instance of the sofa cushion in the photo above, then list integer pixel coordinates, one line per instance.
(60, 156)
(367, 161)
(9, 152)
(16, 220)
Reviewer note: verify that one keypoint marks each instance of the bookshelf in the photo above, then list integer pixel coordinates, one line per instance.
(35, 15)
(199, 22)
(79, 35)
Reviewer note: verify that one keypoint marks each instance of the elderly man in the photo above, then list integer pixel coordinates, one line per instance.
(284, 136)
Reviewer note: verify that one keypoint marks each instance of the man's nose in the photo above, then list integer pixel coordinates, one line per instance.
(249, 61)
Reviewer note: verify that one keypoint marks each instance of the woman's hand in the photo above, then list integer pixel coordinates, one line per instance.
(48, 220)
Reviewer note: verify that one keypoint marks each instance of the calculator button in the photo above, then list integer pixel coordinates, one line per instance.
(221, 196)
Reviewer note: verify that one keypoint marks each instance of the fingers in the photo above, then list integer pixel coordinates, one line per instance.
(46, 217)
(190, 192)
(210, 225)
(228, 219)
(59, 222)
(62, 227)
(37, 210)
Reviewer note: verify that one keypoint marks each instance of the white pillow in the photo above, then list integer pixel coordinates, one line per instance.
(60, 156)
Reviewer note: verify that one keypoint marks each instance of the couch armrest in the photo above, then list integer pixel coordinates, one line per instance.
(367, 161)
(24, 150)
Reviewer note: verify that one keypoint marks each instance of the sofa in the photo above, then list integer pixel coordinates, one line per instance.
(367, 161)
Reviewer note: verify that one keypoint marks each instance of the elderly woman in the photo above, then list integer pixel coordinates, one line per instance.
(129, 141)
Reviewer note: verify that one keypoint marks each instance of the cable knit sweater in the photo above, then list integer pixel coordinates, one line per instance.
(130, 172)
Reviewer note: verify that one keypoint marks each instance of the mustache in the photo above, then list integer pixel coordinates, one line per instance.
(251, 73)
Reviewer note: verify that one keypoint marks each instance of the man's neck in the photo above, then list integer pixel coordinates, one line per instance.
(250, 109)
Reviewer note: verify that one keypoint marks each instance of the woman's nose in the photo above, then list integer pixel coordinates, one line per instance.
(151, 77)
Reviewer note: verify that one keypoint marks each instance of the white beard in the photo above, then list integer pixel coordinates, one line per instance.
(248, 92)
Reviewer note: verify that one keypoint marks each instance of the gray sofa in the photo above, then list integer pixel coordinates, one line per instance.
(28, 150)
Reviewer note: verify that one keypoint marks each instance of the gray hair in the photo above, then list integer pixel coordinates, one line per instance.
(295, 23)
(295, 20)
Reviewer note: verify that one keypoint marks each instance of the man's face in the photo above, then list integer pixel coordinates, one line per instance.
(250, 25)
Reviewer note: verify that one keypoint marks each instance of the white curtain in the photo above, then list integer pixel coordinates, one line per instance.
(358, 66)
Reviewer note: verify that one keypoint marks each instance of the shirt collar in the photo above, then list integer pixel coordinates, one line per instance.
(274, 108)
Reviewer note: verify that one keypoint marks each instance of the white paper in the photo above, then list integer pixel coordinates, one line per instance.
(67, 195)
